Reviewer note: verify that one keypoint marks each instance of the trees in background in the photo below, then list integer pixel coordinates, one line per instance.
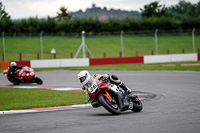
(3, 13)
(155, 10)
(184, 15)
(185, 9)
(63, 15)
(5, 20)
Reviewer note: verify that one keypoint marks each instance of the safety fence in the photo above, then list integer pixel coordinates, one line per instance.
(39, 46)
(105, 61)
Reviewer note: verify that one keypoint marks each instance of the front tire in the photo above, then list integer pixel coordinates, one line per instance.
(137, 106)
(113, 108)
(38, 81)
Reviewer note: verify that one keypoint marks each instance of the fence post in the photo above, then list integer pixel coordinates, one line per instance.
(193, 40)
(156, 41)
(136, 53)
(88, 54)
(4, 53)
(198, 50)
(168, 51)
(54, 56)
(183, 51)
(152, 52)
(20, 56)
(38, 56)
(122, 44)
(104, 54)
(41, 39)
(120, 54)
(71, 55)
(2, 57)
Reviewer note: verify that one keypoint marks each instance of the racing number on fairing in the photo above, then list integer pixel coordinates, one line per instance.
(93, 88)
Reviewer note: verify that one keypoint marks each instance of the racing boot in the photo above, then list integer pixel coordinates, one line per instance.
(129, 92)
(95, 104)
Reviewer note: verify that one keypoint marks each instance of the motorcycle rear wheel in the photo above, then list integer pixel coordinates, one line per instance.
(113, 108)
(14, 81)
(11, 80)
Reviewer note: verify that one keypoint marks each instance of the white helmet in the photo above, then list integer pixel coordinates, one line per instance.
(84, 77)
(13, 64)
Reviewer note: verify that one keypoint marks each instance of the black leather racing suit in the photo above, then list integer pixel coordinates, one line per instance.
(12, 73)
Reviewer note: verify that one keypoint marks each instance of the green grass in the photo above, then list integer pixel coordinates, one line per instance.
(111, 45)
(18, 98)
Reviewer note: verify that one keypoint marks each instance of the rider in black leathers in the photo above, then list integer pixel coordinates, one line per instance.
(12, 72)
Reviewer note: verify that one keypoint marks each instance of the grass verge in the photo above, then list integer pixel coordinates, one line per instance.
(18, 98)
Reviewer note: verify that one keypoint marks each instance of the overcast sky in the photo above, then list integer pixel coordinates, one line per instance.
(43, 8)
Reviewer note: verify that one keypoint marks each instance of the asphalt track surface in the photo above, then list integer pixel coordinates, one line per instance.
(176, 111)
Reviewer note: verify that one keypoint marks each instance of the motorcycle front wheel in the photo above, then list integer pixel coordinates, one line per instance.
(137, 106)
(38, 81)
(111, 107)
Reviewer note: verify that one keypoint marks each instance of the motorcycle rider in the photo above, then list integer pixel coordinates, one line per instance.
(12, 72)
(84, 77)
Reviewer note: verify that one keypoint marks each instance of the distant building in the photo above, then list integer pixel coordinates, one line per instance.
(93, 5)
(104, 14)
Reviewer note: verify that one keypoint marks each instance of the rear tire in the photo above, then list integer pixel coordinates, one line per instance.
(38, 81)
(15, 82)
(113, 108)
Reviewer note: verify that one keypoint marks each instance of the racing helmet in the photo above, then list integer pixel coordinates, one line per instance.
(84, 77)
(13, 64)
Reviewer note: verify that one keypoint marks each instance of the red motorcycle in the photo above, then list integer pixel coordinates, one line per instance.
(26, 75)
(111, 97)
